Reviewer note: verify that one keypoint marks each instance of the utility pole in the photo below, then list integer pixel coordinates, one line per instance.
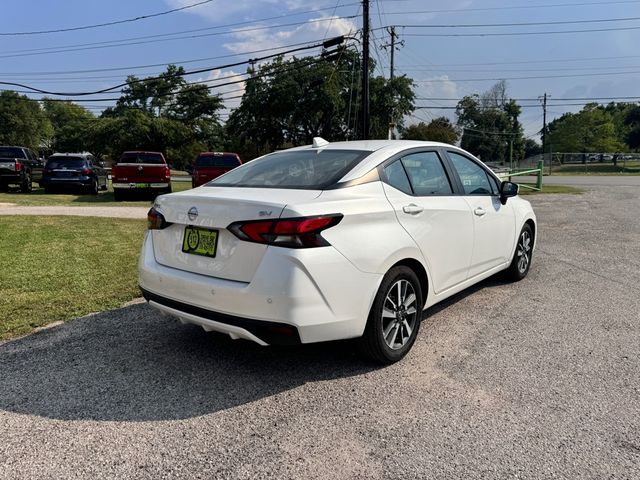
(365, 69)
(544, 126)
(392, 45)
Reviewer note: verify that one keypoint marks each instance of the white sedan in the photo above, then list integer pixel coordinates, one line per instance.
(334, 241)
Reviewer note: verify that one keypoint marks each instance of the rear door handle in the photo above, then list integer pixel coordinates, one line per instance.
(479, 211)
(412, 209)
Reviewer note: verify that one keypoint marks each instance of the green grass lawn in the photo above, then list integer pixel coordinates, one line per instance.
(59, 268)
(550, 189)
(39, 198)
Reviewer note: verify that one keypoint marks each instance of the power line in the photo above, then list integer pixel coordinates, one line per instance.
(510, 34)
(515, 7)
(519, 24)
(435, 80)
(143, 42)
(164, 64)
(192, 72)
(107, 24)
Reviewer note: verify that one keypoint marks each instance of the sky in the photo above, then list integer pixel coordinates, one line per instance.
(443, 64)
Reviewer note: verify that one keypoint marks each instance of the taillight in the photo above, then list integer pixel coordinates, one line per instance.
(155, 220)
(18, 166)
(86, 171)
(167, 173)
(302, 232)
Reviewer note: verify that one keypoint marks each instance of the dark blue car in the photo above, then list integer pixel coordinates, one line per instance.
(73, 171)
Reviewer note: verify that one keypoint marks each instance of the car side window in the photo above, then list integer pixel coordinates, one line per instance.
(426, 174)
(397, 177)
(473, 177)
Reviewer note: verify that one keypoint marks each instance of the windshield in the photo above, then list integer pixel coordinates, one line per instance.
(11, 152)
(65, 162)
(299, 169)
(217, 160)
(142, 157)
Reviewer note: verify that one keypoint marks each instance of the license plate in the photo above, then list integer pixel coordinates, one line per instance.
(140, 185)
(200, 241)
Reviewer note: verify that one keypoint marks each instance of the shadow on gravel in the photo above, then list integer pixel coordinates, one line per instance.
(133, 364)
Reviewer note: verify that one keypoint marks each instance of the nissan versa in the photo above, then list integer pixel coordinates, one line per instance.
(334, 241)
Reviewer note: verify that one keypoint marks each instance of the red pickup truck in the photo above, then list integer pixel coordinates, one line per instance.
(210, 165)
(144, 172)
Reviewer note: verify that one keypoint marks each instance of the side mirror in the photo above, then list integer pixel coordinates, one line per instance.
(507, 190)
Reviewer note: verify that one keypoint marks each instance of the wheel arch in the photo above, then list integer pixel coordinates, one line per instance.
(420, 271)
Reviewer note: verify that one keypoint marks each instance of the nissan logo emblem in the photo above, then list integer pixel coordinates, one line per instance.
(192, 213)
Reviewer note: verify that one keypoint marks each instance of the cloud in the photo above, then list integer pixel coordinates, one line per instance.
(222, 77)
(314, 29)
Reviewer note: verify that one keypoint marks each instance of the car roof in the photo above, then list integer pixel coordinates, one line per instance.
(141, 151)
(373, 145)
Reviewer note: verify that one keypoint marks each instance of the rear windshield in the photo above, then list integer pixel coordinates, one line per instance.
(301, 169)
(135, 157)
(217, 161)
(65, 162)
(11, 152)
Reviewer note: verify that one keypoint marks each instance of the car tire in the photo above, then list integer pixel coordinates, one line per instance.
(94, 189)
(392, 326)
(26, 186)
(521, 261)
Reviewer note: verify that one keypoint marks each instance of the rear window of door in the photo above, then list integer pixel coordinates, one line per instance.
(420, 174)
(474, 178)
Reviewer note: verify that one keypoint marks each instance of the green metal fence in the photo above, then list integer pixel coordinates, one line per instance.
(537, 172)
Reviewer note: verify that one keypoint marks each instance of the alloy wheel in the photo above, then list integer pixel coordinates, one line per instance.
(524, 251)
(399, 314)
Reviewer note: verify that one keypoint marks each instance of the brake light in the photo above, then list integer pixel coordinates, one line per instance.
(302, 232)
(155, 220)
(86, 171)
(18, 166)
(167, 173)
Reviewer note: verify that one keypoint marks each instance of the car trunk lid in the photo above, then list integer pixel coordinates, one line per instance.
(217, 207)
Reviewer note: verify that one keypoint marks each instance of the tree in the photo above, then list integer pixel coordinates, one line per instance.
(438, 130)
(22, 121)
(161, 113)
(590, 130)
(490, 125)
(70, 123)
(531, 148)
(632, 122)
(288, 102)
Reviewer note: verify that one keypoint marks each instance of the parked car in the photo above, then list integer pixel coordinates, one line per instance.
(334, 241)
(19, 166)
(74, 171)
(210, 165)
(142, 172)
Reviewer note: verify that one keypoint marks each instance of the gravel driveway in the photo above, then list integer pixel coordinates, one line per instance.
(539, 379)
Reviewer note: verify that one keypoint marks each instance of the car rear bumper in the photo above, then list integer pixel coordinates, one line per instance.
(295, 296)
(10, 177)
(66, 182)
(140, 186)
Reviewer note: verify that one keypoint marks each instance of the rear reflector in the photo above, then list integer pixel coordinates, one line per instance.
(302, 232)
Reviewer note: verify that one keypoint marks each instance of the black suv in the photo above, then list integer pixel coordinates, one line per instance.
(74, 171)
(19, 166)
